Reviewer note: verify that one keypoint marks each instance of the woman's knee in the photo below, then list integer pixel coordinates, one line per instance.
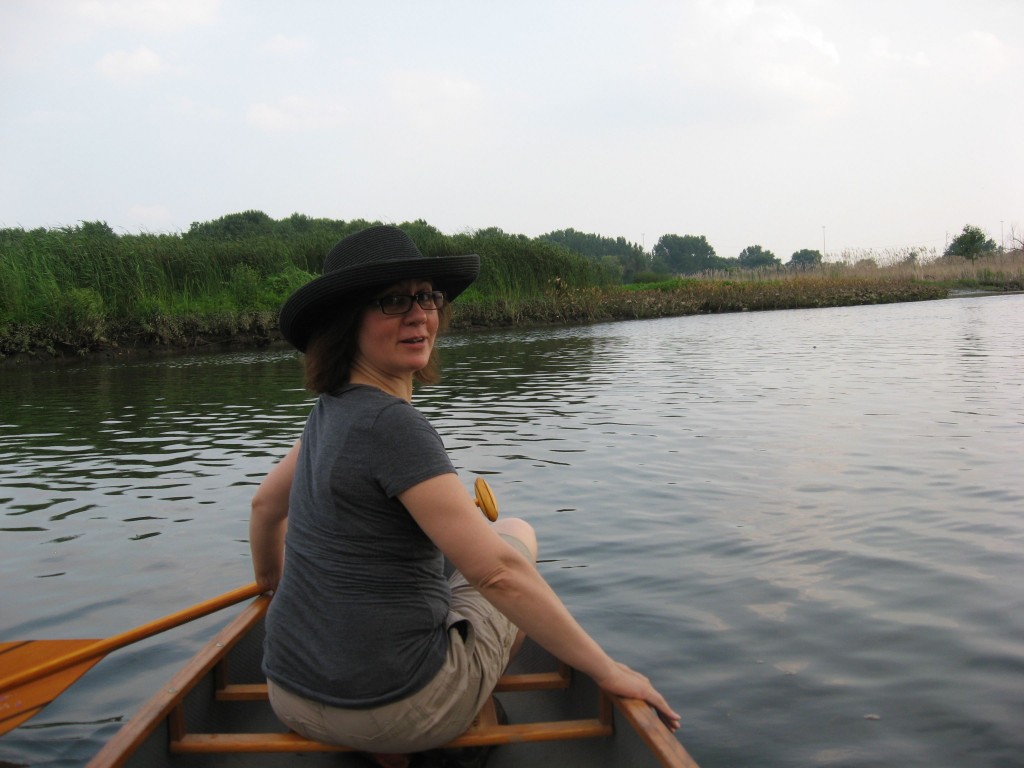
(520, 529)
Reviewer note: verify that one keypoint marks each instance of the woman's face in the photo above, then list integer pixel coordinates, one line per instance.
(397, 345)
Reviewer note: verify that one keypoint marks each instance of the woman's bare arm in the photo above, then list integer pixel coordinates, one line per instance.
(269, 521)
(443, 509)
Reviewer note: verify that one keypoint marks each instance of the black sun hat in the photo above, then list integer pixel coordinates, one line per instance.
(371, 258)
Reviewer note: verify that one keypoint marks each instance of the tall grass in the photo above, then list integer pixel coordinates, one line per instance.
(77, 289)
(997, 271)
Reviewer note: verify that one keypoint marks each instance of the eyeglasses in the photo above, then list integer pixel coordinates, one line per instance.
(397, 304)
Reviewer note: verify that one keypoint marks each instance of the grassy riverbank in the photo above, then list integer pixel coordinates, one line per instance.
(81, 289)
(78, 290)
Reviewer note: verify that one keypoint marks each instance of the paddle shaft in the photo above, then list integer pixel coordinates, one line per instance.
(103, 647)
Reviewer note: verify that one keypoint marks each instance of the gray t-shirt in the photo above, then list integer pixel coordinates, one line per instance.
(358, 619)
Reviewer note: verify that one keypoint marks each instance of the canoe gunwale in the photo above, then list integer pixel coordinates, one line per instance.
(170, 697)
(167, 705)
(652, 731)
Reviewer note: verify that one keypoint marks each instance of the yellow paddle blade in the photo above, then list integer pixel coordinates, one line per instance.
(21, 702)
(35, 672)
(485, 499)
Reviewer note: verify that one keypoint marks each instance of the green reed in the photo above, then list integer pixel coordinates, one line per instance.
(695, 296)
(83, 288)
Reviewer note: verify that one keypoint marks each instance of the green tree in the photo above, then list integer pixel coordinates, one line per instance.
(971, 243)
(685, 254)
(492, 232)
(234, 226)
(618, 255)
(613, 267)
(804, 259)
(756, 257)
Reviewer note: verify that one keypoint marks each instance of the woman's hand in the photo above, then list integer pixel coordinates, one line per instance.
(444, 511)
(630, 684)
(268, 580)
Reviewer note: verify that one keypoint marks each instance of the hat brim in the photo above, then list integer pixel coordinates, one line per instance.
(307, 307)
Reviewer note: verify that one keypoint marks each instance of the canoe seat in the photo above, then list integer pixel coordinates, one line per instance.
(485, 730)
(226, 717)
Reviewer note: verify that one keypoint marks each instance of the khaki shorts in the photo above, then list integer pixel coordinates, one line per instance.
(480, 639)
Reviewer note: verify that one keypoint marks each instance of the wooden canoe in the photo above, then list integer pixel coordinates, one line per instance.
(214, 712)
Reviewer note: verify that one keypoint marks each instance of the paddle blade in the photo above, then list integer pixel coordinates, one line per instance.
(485, 499)
(19, 703)
(34, 672)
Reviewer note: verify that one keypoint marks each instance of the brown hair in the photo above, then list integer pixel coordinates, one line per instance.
(333, 346)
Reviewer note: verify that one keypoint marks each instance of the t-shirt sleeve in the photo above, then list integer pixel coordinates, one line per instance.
(406, 449)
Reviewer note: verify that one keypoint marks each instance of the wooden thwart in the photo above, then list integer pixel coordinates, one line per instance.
(485, 730)
(534, 681)
(169, 706)
(477, 736)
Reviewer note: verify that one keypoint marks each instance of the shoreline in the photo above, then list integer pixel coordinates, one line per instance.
(114, 351)
(270, 338)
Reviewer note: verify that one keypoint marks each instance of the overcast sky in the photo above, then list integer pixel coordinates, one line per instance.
(875, 124)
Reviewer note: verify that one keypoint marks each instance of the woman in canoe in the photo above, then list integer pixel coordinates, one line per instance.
(368, 644)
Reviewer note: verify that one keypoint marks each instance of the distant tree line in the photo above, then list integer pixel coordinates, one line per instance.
(671, 255)
(627, 262)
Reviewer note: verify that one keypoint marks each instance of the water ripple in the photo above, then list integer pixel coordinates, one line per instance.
(804, 525)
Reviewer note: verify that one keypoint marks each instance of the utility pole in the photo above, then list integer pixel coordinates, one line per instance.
(822, 242)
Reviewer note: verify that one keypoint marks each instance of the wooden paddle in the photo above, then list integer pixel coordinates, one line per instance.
(35, 672)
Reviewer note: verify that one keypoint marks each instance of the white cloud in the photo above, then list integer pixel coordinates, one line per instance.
(880, 49)
(194, 110)
(283, 44)
(982, 55)
(128, 66)
(760, 29)
(296, 113)
(48, 117)
(162, 15)
(430, 101)
(761, 55)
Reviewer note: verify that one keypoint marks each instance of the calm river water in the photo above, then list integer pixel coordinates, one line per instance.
(806, 526)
